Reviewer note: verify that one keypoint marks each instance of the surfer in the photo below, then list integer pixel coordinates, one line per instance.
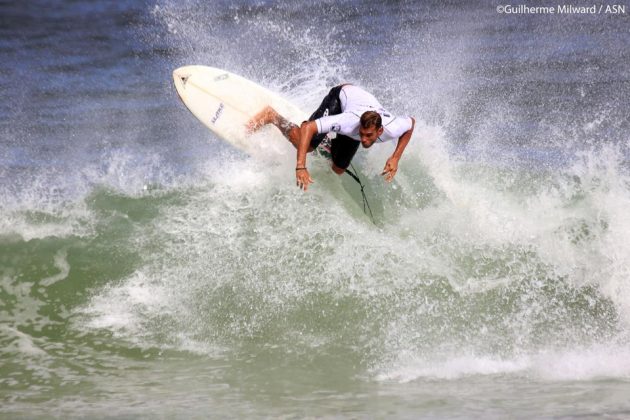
(356, 117)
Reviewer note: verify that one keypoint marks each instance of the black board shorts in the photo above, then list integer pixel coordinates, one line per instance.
(342, 148)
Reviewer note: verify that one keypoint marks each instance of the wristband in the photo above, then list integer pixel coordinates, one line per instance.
(300, 169)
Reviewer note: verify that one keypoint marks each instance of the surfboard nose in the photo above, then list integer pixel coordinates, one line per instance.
(180, 77)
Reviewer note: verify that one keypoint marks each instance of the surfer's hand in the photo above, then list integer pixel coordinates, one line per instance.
(390, 169)
(303, 178)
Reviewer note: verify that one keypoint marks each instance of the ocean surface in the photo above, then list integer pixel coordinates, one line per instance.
(149, 270)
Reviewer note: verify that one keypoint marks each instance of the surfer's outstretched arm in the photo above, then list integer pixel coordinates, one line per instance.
(392, 163)
(307, 130)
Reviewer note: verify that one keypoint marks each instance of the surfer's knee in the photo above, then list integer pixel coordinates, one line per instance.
(336, 169)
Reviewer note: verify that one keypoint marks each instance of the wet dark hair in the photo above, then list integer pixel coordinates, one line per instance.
(371, 119)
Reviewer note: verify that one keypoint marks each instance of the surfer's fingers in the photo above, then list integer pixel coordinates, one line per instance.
(302, 183)
(306, 183)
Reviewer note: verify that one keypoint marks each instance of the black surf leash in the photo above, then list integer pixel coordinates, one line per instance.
(365, 201)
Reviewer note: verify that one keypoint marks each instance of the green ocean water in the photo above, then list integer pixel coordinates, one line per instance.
(164, 296)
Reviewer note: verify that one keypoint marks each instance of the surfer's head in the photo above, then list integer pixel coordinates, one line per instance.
(370, 128)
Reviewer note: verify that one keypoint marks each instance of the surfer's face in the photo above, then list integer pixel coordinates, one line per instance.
(369, 135)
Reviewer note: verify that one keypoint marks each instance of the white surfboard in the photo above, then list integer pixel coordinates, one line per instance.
(225, 102)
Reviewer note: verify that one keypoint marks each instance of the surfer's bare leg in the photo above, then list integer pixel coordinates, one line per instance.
(270, 116)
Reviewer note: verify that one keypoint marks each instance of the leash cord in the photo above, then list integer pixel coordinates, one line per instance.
(365, 200)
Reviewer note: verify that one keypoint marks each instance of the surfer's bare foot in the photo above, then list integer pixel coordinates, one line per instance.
(266, 116)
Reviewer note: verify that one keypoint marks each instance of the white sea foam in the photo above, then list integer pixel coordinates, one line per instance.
(61, 263)
(570, 364)
(519, 251)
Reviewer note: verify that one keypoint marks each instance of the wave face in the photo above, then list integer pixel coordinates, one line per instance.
(143, 261)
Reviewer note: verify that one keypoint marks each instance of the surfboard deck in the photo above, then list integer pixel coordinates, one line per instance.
(225, 102)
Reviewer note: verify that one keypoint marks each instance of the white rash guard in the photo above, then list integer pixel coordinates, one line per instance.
(354, 102)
